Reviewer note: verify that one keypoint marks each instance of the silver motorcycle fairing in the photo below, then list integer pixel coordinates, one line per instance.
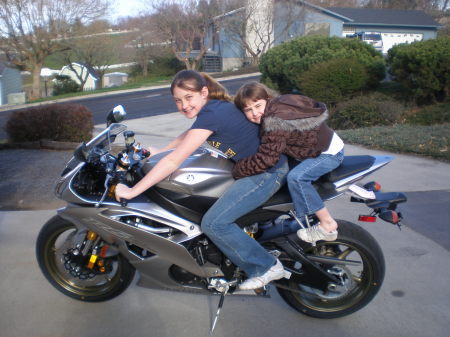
(106, 222)
(206, 173)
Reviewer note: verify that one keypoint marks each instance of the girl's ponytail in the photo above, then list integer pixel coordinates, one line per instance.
(216, 90)
(195, 81)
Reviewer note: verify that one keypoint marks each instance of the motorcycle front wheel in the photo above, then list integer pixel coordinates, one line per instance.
(54, 244)
(358, 284)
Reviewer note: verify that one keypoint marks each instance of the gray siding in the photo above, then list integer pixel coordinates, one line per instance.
(303, 20)
(10, 82)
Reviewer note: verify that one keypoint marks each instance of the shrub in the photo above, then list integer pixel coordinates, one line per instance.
(429, 115)
(282, 64)
(334, 80)
(423, 68)
(364, 111)
(63, 84)
(165, 66)
(159, 66)
(59, 122)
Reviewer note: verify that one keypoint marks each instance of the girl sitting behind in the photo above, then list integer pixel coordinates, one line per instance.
(293, 125)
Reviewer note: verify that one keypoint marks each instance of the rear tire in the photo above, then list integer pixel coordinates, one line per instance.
(53, 242)
(361, 286)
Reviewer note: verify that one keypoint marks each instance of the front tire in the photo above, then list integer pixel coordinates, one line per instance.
(53, 243)
(361, 283)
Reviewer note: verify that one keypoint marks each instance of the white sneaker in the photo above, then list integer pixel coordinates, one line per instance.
(316, 233)
(274, 273)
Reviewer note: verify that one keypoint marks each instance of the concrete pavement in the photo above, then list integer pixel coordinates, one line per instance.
(414, 300)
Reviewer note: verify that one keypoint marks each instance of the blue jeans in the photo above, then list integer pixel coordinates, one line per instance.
(243, 196)
(305, 198)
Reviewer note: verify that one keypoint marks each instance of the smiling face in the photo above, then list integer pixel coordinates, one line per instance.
(189, 103)
(254, 110)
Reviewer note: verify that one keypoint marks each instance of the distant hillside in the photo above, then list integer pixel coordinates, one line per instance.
(118, 41)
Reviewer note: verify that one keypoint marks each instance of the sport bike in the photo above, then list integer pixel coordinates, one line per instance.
(91, 249)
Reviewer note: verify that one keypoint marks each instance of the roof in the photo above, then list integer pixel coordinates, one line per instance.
(4, 65)
(92, 72)
(385, 17)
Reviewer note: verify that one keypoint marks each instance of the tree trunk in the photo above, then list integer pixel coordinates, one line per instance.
(144, 66)
(255, 60)
(36, 88)
(100, 81)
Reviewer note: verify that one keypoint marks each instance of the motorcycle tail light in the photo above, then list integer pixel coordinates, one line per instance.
(367, 218)
(390, 216)
(373, 186)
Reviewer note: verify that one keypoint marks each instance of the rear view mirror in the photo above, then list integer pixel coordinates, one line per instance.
(117, 115)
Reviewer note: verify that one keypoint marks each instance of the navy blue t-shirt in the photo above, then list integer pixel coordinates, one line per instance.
(232, 134)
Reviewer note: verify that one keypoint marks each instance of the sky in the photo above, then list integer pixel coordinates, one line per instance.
(126, 8)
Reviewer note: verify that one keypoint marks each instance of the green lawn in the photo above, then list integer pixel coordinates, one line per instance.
(425, 140)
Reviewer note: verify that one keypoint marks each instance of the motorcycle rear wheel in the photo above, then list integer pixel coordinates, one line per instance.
(50, 247)
(361, 283)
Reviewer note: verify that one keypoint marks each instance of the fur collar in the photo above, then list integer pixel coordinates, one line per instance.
(274, 123)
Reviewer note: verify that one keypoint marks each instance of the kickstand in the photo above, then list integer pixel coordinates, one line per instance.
(219, 307)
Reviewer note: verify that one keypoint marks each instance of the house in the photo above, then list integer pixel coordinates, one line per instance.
(395, 26)
(293, 18)
(83, 71)
(10, 85)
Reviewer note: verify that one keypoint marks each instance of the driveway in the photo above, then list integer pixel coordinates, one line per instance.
(413, 301)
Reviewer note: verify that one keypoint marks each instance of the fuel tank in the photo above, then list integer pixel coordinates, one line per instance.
(206, 173)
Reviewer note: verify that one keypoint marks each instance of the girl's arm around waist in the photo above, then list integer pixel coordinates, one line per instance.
(272, 146)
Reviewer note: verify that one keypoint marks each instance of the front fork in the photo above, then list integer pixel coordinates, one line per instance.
(94, 250)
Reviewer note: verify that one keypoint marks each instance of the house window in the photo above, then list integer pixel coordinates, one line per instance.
(317, 29)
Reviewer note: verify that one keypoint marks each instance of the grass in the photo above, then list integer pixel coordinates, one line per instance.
(425, 140)
(133, 84)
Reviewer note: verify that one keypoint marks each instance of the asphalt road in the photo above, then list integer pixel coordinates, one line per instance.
(138, 104)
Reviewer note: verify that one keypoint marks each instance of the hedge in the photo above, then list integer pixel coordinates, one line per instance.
(423, 68)
(333, 81)
(282, 65)
(366, 111)
(58, 122)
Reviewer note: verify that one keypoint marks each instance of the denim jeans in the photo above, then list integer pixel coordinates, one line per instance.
(305, 198)
(243, 196)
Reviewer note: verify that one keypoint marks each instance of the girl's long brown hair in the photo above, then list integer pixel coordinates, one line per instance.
(252, 91)
(194, 81)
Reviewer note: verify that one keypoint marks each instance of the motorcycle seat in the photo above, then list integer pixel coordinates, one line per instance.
(350, 165)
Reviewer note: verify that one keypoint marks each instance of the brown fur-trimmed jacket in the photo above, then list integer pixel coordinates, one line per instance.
(293, 125)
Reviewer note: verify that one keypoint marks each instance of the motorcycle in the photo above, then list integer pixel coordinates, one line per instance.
(91, 249)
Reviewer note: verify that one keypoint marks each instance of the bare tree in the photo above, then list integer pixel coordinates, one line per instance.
(252, 25)
(92, 47)
(30, 31)
(427, 5)
(335, 3)
(184, 26)
(147, 42)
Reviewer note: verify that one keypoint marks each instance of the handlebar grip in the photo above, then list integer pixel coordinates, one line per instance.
(123, 202)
